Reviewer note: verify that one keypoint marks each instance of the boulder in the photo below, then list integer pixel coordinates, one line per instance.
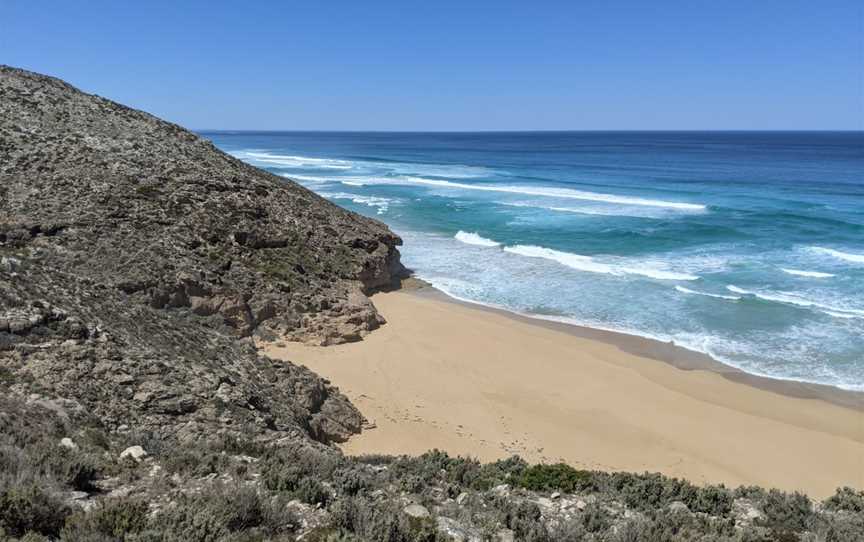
(134, 452)
(417, 511)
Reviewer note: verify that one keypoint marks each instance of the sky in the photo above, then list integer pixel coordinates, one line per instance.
(466, 65)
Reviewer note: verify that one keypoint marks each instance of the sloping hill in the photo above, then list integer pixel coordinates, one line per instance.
(134, 253)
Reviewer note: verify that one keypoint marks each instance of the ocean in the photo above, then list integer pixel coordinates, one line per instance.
(748, 246)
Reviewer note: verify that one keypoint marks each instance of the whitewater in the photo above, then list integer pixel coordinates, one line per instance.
(746, 246)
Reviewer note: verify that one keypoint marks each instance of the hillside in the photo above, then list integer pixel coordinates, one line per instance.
(136, 263)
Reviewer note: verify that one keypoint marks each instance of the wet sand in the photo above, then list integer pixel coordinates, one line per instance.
(486, 383)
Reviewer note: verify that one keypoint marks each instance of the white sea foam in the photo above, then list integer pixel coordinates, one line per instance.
(791, 298)
(552, 192)
(593, 211)
(590, 265)
(715, 346)
(294, 161)
(566, 193)
(811, 274)
(718, 296)
(658, 274)
(451, 171)
(842, 314)
(849, 257)
(382, 204)
(472, 238)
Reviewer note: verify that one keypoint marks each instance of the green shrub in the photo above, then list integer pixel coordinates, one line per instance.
(71, 467)
(281, 477)
(282, 469)
(350, 481)
(664, 526)
(558, 477)
(95, 437)
(194, 462)
(311, 491)
(650, 491)
(25, 508)
(224, 512)
(595, 519)
(382, 522)
(786, 513)
(111, 518)
(846, 499)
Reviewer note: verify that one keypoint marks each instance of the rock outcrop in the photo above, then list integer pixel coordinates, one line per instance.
(147, 208)
(135, 256)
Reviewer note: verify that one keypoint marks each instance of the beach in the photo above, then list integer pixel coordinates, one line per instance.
(484, 383)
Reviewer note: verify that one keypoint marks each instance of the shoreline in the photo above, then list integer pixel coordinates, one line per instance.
(670, 353)
(486, 383)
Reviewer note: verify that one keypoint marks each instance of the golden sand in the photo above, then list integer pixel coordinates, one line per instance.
(480, 383)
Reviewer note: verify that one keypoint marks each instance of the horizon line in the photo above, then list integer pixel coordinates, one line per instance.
(625, 130)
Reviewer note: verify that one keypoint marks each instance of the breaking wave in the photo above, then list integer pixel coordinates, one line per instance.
(294, 161)
(382, 204)
(568, 193)
(849, 257)
(590, 265)
(718, 296)
(790, 298)
(811, 274)
(472, 238)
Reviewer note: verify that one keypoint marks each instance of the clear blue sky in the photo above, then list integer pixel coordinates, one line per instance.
(466, 65)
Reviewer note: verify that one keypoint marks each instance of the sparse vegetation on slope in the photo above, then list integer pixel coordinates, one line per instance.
(237, 489)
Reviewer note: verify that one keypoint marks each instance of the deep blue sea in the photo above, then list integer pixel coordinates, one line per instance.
(747, 246)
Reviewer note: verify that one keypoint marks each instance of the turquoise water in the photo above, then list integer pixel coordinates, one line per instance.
(747, 246)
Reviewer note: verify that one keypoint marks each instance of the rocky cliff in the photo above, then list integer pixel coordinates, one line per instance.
(134, 254)
(149, 209)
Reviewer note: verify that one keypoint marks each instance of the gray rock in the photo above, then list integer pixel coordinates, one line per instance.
(78, 495)
(462, 498)
(745, 511)
(134, 452)
(9, 264)
(455, 530)
(505, 535)
(678, 507)
(416, 511)
(67, 442)
(545, 503)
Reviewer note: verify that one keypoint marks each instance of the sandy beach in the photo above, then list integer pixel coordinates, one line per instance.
(483, 383)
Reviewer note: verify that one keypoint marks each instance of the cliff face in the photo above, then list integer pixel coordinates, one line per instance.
(134, 253)
(152, 210)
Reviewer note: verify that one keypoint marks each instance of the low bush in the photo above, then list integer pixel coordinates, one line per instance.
(111, 518)
(30, 508)
(558, 477)
(311, 491)
(846, 499)
(785, 512)
(223, 512)
(382, 522)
